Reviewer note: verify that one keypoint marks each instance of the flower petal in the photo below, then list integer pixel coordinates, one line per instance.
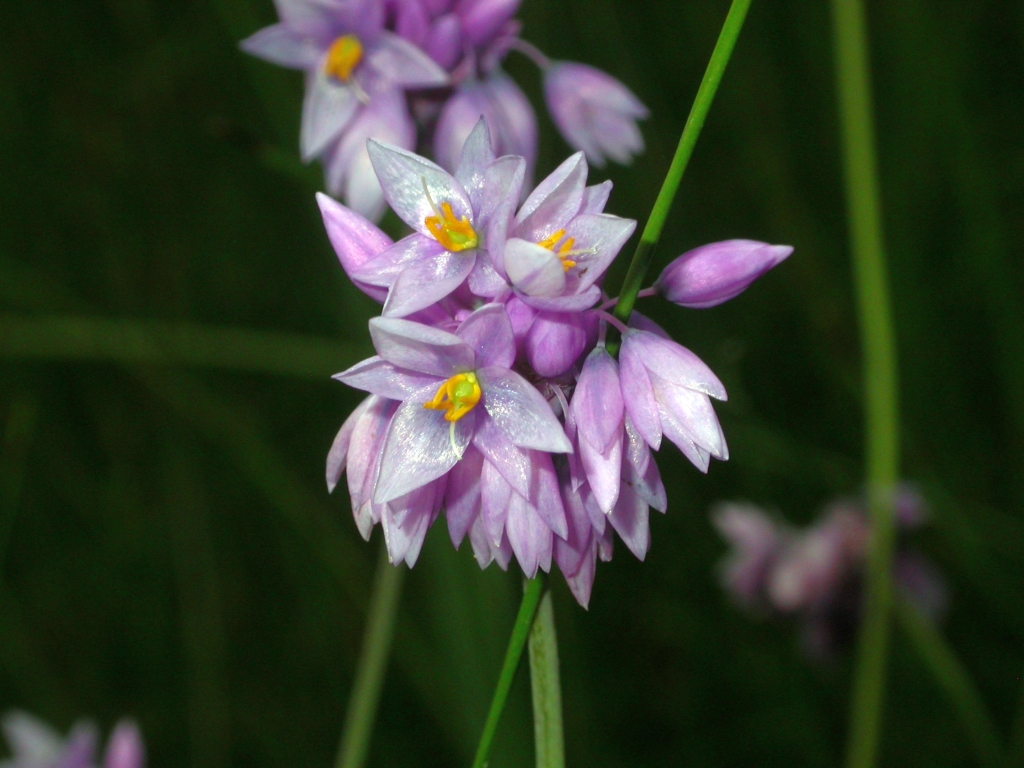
(521, 411)
(420, 348)
(379, 377)
(572, 303)
(595, 198)
(346, 162)
(545, 497)
(477, 153)
(676, 432)
(328, 108)
(674, 363)
(533, 270)
(280, 44)
(604, 470)
(597, 404)
(399, 62)
(503, 181)
(495, 494)
(554, 342)
(125, 748)
(601, 234)
(630, 519)
(554, 202)
(489, 332)
(384, 268)
(512, 462)
(420, 446)
(403, 175)
(355, 240)
(338, 455)
(640, 402)
(462, 497)
(694, 412)
(427, 281)
(531, 539)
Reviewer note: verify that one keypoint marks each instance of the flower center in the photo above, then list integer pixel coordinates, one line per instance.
(564, 252)
(454, 234)
(456, 397)
(343, 56)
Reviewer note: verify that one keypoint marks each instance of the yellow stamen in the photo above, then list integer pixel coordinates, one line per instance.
(343, 56)
(454, 234)
(456, 397)
(564, 251)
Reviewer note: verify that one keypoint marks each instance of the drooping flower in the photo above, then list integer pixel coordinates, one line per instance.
(595, 112)
(670, 391)
(455, 218)
(34, 744)
(712, 274)
(816, 574)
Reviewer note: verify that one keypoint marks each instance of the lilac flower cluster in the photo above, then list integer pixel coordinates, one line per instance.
(816, 574)
(34, 744)
(383, 68)
(492, 394)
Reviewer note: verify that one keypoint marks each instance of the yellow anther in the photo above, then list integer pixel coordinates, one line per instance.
(456, 397)
(454, 234)
(343, 56)
(564, 251)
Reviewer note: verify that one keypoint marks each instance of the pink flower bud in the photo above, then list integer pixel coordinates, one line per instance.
(714, 273)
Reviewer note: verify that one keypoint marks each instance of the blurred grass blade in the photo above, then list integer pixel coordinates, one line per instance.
(955, 682)
(200, 615)
(520, 632)
(133, 342)
(864, 213)
(372, 664)
(546, 687)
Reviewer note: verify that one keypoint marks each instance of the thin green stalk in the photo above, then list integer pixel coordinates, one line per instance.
(520, 631)
(691, 131)
(546, 687)
(373, 661)
(880, 385)
(955, 681)
(134, 342)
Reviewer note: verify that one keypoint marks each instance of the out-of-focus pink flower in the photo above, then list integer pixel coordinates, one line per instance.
(595, 112)
(816, 574)
(34, 744)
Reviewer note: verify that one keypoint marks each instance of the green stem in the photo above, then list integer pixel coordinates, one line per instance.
(691, 131)
(547, 690)
(955, 681)
(373, 660)
(133, 342)
(880, 386)
(524, 621)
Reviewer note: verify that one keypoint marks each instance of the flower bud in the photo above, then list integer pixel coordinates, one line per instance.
(714, 273)
(594, 112)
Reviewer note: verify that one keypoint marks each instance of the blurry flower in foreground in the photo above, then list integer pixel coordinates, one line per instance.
(34, 744)
(815, 574)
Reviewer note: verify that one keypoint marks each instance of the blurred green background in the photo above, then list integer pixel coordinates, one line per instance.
(168, 549)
